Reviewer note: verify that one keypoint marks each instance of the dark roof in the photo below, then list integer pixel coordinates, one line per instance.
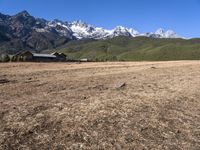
(22, 52)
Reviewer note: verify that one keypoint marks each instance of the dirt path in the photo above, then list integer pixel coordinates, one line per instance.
(82, 106)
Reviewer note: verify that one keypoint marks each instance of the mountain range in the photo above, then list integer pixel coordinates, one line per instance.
(25, 32)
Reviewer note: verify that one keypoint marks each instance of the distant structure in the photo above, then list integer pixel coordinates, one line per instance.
(38, 57)
(84, 60)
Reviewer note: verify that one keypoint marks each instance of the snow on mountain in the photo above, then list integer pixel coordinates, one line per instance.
(133, 32)
(61, 27)
(171, 34)
(160, 31)
(120, 31)
(82, 30)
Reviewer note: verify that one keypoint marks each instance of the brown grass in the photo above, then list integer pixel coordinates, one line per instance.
(81, 106)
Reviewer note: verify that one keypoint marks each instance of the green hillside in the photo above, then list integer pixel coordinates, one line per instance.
(133, 49)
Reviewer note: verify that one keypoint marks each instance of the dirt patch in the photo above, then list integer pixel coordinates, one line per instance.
(3, 81)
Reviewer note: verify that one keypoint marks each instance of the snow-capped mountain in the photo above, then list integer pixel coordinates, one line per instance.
(72, 30)
(160, 33)
(82, 30)
(60, 27)
(168, 34)
(23, 31)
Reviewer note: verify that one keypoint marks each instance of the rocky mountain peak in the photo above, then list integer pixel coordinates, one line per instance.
(23, 13)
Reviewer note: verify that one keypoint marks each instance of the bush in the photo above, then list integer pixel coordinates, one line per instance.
(4, 58)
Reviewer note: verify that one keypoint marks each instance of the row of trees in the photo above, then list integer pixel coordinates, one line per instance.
(7, 58)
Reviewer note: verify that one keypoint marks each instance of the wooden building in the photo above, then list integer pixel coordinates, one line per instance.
(38, 57)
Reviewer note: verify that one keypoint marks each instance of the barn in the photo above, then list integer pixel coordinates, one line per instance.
(38, 57)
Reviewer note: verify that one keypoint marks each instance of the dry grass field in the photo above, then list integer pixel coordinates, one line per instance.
(118, 105)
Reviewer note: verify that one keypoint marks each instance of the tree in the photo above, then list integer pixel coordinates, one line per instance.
(5, 58)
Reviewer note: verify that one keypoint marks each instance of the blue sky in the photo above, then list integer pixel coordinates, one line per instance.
(183, 16)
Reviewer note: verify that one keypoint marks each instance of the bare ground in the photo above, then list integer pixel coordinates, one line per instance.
(127, 105)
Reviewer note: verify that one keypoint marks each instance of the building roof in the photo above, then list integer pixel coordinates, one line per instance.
(44, 55)
(22, 52)
(55, 53)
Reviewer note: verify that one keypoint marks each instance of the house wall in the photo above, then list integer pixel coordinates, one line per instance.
(61, 58)
(44, 59)
(27, 57)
